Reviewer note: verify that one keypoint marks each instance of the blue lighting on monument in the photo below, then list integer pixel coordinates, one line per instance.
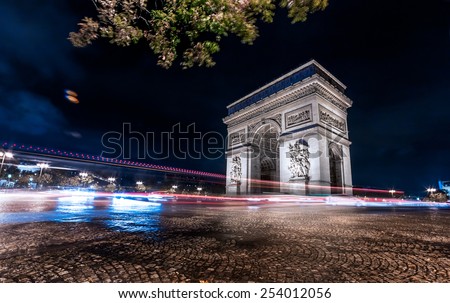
(296, 77)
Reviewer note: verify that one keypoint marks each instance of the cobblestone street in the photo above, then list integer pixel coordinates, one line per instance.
(236, 244)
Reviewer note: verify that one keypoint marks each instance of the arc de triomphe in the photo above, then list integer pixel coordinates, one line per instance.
(291, 136)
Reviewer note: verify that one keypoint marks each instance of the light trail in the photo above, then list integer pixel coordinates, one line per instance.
(215, 200)
(286, 185)
(255, 183)
(83, 157)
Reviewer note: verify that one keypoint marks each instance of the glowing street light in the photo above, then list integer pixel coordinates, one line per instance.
(431, 190)
(140, 186)
(4, 155)
(111, 180)
(392, 192)
(83, 176)
(199, 190)
(42, 166)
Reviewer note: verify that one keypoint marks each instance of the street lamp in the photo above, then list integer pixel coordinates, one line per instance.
(83, 176)
(4, 155)
(140, 186)
(199, 190)
(392, 192)
(42, 166)
(431, 190)
(111, 180)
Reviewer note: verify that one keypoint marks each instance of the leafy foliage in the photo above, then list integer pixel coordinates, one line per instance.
(140, 187)
(110, 187)
(45, 179)
(25, 179)
(438, 196)
(191, 29)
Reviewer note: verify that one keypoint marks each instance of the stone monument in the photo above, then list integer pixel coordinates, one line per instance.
(291, 136)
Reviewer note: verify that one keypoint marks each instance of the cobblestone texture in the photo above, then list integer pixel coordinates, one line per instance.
(303, 244)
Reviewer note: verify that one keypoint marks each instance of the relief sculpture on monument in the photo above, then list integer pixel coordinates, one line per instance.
(299, 161)
(236, 170)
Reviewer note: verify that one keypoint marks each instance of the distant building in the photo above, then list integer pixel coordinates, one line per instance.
(6, 183)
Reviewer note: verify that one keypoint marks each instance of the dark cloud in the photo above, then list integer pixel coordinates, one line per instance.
(33, 40)
(34, 58)
(22, 112)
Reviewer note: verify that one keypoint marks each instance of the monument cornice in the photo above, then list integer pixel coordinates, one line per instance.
(316, 85)
(323, 130)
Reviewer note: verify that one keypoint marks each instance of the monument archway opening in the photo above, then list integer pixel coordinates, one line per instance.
(336, 177)
(265, 158)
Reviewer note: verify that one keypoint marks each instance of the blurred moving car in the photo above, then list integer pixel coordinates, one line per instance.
(161, 196)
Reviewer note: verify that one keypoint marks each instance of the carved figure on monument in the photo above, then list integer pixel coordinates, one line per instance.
(299, 160)
(236, 169)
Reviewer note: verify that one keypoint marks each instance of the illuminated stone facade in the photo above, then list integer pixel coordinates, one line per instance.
(291, 136)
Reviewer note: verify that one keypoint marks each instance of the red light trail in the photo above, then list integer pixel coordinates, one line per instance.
(57, 153)
(83, 157)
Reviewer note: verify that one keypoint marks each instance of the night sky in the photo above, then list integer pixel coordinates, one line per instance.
(394, 57)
